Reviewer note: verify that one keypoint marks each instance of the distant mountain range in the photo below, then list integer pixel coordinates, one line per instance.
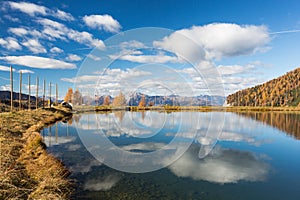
(281, 91)
(5, 95)
(202, 100)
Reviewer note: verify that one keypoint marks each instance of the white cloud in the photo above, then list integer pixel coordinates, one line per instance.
(80, 79)
(4, 68)
(110, 76)
(149, 58)
(222, 166)
(235, 69)
(18, 31)
(102, 22)
(63, 15)
(34, 46)
(85, 38)
(26, 71)
(220, 39)
(183, 46)
(13, 19)
(34, 10)
(28, 8)
(73, 57)
(132, 44)
(96, 58)
(56, 50)
(38, 62)
(21, 32)
(57, 30)
(10, 43)
(5, 87)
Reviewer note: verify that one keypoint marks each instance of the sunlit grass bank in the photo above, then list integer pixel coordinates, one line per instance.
(27, 170)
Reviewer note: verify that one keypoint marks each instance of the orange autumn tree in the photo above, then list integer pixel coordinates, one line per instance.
(106, 100)
(69, 96)
(142, 102)
(77, 98)
(119, 100)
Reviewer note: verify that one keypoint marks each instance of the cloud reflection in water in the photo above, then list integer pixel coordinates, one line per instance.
(221, 166)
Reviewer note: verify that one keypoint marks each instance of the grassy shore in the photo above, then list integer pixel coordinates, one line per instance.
(27, 170)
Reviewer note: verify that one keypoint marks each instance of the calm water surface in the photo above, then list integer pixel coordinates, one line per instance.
(231, 156)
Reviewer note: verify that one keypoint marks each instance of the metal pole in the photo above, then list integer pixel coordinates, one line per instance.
(37, 93)
(11, 89)
(56, 99)
(49, 94)
(44, 91)
(29, 106)
(20, 94)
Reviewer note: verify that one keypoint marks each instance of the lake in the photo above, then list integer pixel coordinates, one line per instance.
(180, 155)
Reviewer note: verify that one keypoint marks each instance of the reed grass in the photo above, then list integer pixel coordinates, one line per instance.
(27, 170)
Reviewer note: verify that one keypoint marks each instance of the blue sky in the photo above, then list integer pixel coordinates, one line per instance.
(240, 44)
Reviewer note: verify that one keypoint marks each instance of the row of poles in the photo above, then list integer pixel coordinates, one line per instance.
(29, 92)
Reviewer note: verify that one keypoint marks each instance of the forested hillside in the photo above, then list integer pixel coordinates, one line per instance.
(282, 91)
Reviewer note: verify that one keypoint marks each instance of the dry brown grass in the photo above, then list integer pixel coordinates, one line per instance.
(27, 170)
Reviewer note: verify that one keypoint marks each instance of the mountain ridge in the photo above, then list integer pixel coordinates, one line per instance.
(281, 91)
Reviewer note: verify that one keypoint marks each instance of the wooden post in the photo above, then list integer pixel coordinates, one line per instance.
(29, 106)
(56, 99)
(44, 91)
(49, 94)
(20, 94)
(11, 89)
(37, 93)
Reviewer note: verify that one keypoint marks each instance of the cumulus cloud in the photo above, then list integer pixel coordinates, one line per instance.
(34, 46)
(102, 22)
(35, 10)
(26, 71)
(73, 57)
(219, 40)
(109, 76)
(10, 18)
(38, 62)
(56, 50)
(10, 43)
(235, 69)
(25, 31)
(63, 15)
(56, 30)
(80, 79)
(28, 8)
(221, 166)
(5, 87)
(132, 44)
(94, 57)
(18, 31)
(149, 58)
(4, 68)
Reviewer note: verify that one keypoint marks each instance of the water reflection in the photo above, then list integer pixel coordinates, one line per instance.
(249, 159)
(287, 122)
(101, 183)
(221, 166)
